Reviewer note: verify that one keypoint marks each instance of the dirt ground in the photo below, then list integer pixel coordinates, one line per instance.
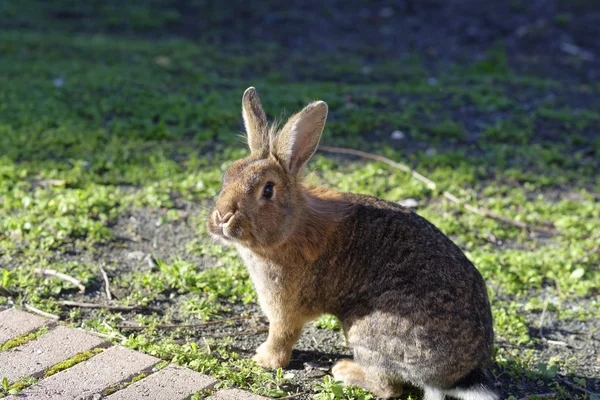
(557, 40)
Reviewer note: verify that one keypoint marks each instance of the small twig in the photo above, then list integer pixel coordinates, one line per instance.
(587, 254)
(577, 387)
(102, 335)
(382, 159)
(175, 326)
(490, 214)
(103, 306)
(48, 182)
(292, 396)
(558, 289)
(207, 345)
(542, 319)
(432, 185)
(556, 342)
(150, 260)
(40, 312)
(242, 333)
(105, 335)
(60, 275)
(106, 284)
(543, 395)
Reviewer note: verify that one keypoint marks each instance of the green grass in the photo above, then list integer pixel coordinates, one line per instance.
(328, 322)
(15, 387)
(94, 129)
(76, 359)
(121, 386)
(21, 340)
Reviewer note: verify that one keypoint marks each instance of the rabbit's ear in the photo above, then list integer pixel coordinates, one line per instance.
(255, 122)
(299, 138)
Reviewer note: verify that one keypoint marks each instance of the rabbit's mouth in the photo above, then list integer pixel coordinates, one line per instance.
(222, 232)
(229, 233)
(224, 236)
(229, 230)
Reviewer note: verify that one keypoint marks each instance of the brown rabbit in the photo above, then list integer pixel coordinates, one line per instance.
(413, 307)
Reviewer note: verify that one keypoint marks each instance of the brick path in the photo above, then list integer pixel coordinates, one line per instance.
(88, 379)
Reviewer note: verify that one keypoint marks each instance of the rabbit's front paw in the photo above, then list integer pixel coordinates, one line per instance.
(268, 357)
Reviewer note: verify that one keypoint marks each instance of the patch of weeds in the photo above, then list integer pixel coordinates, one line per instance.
(494, 63)
(327, 321)
(375, 179)
(449, 130)
(21, 340)
(15, 387)
(333, 390)
(280, 379)
(214, 358)
(514, 362)
(573, 118)
(354, 122)
(76, 359)
(110, 390)
(563, 19)
(509, 324)
(202, 394)
(52, 217)
(42, 290)
(200, 308)
(230, 284)
(485, 97)
(517, 270)
(507, 132)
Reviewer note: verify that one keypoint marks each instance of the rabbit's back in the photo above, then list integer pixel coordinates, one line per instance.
(411, 301)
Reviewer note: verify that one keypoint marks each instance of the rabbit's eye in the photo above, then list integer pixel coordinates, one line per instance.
(268, 190)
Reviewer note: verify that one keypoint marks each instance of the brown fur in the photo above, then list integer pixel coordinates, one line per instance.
(413, 307)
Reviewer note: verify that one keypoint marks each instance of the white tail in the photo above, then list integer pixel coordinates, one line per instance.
(473, 393)
(433, 394)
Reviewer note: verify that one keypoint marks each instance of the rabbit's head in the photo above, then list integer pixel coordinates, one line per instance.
(261, 195)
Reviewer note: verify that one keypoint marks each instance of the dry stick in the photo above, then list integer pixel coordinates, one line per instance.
(102, 335)
(243, 333)
(577, 387)
(175, 326)
(542, 319)
(106, 283)
(40, 312)
(432, 185)
(292, 396)
(556, 342)
(60, 275)
(588, 253)
(93, 305)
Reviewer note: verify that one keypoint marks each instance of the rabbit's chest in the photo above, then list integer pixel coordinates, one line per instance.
(266, 276)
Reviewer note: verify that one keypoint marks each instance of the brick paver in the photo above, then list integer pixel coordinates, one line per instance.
(172, 383)
(14, 323)
(114, 365)
(235, 394)
(88, 379)
(33, 358)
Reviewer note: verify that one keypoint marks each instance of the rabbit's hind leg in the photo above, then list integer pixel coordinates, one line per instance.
(351, 374)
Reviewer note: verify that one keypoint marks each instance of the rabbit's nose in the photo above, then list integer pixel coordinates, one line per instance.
(223, 220)
(226, 218)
